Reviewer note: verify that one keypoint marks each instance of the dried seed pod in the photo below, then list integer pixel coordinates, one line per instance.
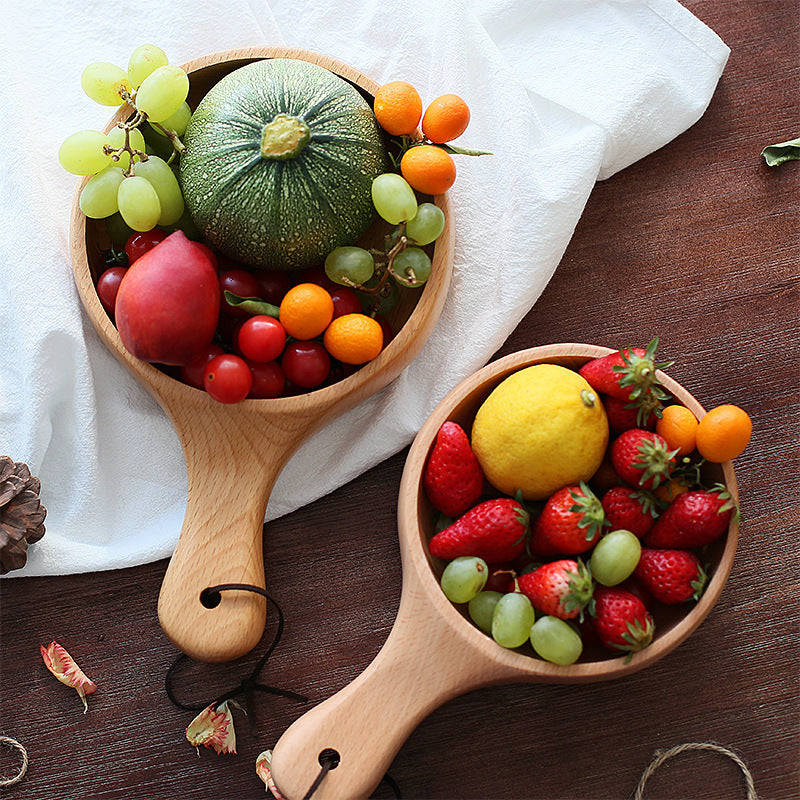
(264, 771)
(213, 727)
(63, 666)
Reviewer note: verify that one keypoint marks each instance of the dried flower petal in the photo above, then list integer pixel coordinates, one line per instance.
(264, 771)
(63, 666)
(213, 727)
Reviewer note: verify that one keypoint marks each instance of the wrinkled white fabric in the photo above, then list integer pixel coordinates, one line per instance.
(564, 92)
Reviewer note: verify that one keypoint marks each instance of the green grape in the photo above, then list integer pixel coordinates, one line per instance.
(103, 83)
(393, 198)
(118, 230)
(163, 179)
(117, 138)
(145, 59)
(162, 93)
(481, 609)
(412, 267)
(177, 122)
(556, 640)
(138, 203)
(349, 266)
(99, 197)
(427, 225)
(512, 620)
(82, 153)
(615, 557)
(463, 578)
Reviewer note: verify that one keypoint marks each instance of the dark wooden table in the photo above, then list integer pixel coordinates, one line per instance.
(697, 243)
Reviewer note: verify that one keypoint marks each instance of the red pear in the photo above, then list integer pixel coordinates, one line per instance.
(167, 305)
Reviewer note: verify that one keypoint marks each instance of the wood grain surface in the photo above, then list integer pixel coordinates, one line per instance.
(697, 243)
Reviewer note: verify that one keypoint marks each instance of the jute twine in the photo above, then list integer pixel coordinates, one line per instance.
(662, 756)
(7, 741)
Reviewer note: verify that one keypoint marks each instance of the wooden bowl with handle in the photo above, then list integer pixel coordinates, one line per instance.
(434, 652)
(235, 453)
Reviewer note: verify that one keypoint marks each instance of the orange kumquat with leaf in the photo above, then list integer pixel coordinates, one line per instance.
(445, 119)
(428, 169)
(398, 108)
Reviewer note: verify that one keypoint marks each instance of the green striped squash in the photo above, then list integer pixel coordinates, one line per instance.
(279, 162)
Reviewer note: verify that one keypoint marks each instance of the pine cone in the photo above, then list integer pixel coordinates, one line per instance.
(21, 514)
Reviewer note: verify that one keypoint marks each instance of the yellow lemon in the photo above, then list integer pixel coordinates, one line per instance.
(540, 429)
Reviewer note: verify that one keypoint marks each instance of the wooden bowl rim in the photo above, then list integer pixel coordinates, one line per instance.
(357, 386)
(511, 665)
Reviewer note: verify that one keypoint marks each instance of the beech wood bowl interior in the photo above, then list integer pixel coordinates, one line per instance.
(434, 652)
(234, 453)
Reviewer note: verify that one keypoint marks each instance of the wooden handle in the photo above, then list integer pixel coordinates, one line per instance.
(232, 461)
(423, 663)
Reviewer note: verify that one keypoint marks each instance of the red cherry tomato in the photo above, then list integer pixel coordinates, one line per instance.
(345, 301)
(139, 243)
(306, 364)
(193, 373)
(227, 378)
(107, 286)
(242, 284)
(274, 285)
(268, 380)
(261, 338)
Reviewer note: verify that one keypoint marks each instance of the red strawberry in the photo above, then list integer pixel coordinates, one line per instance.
(561, 588)
(621, 620)
(453, 479)
(630, 375)
(622, 416)
(642, 458)
(693, 519)
(630, 509)
(494, 530)
(570, 523)
(671, 576)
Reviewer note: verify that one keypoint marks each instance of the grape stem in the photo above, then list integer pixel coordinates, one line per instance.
(387, 267)
(139, 117)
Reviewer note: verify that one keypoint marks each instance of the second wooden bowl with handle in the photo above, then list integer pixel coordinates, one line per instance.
(434, 652)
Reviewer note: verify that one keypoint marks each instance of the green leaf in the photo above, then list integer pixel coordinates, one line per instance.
(464, 151)
(253, 305)
(777, 154)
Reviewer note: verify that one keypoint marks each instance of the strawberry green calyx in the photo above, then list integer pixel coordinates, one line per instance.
(588, 505)
(580, 591)
(638, 635)
(722, 491)
(699, 583)
(639, 374)
(656, 462)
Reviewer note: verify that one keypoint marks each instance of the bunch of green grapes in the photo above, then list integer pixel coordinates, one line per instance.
(142, 188)
(404, 260)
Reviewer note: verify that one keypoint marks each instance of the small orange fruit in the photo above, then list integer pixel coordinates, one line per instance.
(354, 338)
(306, 310)
(428, 169)
(671, 489)
(398, 108)
(723, 433)
(678, 426)
(446, 118)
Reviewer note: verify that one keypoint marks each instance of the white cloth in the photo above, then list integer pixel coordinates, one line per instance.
(564, 92)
